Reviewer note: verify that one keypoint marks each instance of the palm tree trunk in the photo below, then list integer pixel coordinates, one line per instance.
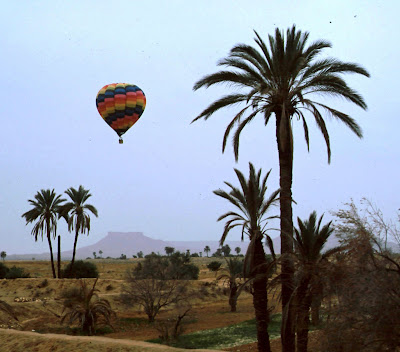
(303, 321)
(233, 297)
(74, 250)
(51, 251)
(59, 258)
(285, 150)
(260, 299)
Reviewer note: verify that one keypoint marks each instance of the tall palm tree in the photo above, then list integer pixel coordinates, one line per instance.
(76, 213)
(46, 208)
(309, 242)
(251, 217)
(280, 79)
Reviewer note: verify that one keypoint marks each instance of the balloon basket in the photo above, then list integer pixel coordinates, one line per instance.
(121, 141)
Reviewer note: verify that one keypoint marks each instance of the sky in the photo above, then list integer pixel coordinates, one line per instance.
(56, 56)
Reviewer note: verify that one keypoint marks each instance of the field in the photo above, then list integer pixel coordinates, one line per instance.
(38, 306)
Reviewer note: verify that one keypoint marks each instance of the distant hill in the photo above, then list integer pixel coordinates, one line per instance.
(129, 243)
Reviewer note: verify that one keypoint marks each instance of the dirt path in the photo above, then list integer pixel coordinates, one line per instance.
(22, 341)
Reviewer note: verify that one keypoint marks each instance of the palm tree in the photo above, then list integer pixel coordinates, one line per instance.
(207, 250)
(83, 308)
(46, 210)
(75, 212)
(3, 255)
(253, 206)
(280, 80)
(309, 241)
(232, 275)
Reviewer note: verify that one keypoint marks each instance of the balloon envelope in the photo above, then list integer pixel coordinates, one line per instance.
(120, 105)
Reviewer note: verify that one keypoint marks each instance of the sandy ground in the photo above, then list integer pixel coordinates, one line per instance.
(38, 305)
(18, 341)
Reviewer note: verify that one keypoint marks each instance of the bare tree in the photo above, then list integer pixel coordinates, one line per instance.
(363, 316)
(153, 294)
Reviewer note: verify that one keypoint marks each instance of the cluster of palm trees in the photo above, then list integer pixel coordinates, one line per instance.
(48, 207)
(278, 79)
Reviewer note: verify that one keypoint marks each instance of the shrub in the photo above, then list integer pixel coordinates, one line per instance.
(81, 269)
(175, 267)
(214, 265)
(3, 271)
(17, 273)
(44, 283)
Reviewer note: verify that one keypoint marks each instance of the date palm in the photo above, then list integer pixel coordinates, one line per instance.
(46, 210)
(310, 239)
(85, 307)
(251, 216)
(232, 275)
(76, 213)
(281, 80)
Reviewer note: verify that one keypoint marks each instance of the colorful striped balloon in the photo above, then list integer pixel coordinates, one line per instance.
(120, 105)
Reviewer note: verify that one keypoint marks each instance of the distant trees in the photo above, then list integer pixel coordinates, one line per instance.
(140, 254)
(3, 255)
(45, 211)
(226, 250)
(207, 250)
(169, 250)
(101, 253)
(238, 250)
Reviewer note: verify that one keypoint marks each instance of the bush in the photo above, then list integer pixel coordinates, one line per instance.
(17, 273)
(81, 269)
(214, 265)
(3, 271)
(175, 267)
(44, 283)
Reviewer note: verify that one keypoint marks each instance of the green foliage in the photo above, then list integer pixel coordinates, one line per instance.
(214, 265)
(3, 271)
(80, 269)
(46, 210)
(229, 336)
(175, 267)
(13, 272)
(226, 250)
(17, 273)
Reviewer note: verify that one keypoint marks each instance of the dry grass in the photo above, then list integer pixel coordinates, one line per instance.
(38, 305)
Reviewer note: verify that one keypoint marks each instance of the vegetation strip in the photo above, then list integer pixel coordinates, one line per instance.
(229, 336)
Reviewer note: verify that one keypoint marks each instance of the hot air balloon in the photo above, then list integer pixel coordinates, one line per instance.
(120, 105)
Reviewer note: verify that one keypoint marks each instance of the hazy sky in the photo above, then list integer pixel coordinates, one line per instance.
(56, 55)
